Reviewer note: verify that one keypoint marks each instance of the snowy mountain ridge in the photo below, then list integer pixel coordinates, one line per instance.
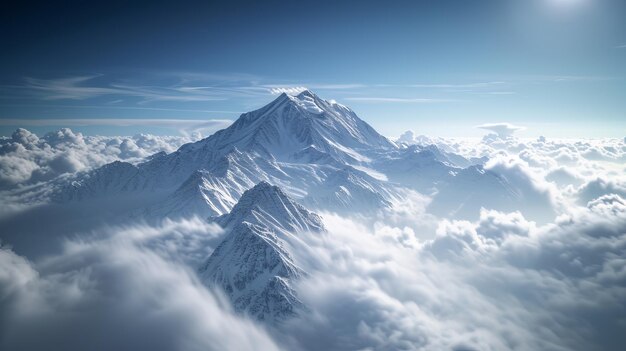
(269, 206)
(248, 177)
(318, 152)
(253, 265)
(292, 124)
(295, 142)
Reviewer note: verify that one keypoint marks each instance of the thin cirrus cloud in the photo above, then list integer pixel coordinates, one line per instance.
(373, 99)
(202, 88)
(498, 93)
(114, 105)
(84, 87)
(198, 88)
(458, 86)
(183, 125)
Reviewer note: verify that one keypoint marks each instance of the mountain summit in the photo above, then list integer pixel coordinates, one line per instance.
(319, 152)
(295, 142)
(290, 124)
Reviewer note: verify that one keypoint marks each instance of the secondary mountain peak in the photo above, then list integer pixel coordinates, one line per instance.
(268, 205)
(253, 264)
(253, 267)
(306, 93)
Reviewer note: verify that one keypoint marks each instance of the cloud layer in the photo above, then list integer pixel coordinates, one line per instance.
(26, 158)
(405, 279)
(502, 130)
(120, 290)
(500, 282)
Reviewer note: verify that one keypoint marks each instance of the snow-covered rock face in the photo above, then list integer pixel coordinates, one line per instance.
(464, 192)
(318, 152)
(311, 150)
(292, 124)
(253, 265)
(348, 191)
(267, 205)
(295, 142)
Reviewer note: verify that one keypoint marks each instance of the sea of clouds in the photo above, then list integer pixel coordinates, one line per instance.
(30, 165)
(402, 280)
(26, 158)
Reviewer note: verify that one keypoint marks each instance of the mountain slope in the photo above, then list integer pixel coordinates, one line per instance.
(268, 206)
(294, 141)
(464, 192)
(349, 191)
(253, 265)
(291, 124)
(288, 129)
(417, 167)
(318, 152)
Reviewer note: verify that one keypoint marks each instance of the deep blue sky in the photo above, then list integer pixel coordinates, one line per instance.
(438, 67)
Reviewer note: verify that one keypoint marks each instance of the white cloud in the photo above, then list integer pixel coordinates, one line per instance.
(401, 280)
(286, 90)
(184, 126)
(395, 99)
(564, 176)
(503, 130)
(459, 86)
(599, 187)
(501, 282)
(26, 158)
(119, 290)
(87, 87)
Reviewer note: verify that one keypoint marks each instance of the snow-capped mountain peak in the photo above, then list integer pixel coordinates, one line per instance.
(292, 123)
(306, 92)
(253, 265)
(254, 269)
(269, 206)
(294, 141)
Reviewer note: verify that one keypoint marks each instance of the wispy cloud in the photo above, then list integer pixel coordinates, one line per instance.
(73, 88)
(189, 87)
(395, 99)
(287, 90)
(112, 105)
(549, 79)
(86, 87)
(249, 90)
(621, 46)
(504, 130)
(337, 86)
(183, 125)
(498, 93)
(457, 86)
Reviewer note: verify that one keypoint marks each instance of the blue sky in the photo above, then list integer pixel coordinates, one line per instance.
(439, 67)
